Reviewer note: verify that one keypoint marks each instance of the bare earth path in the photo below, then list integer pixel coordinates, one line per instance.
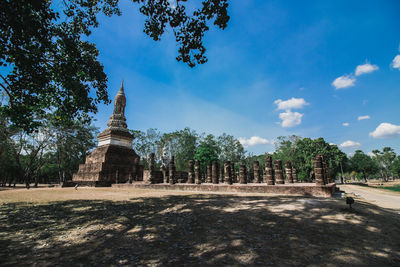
(381, 197)
(136, 227)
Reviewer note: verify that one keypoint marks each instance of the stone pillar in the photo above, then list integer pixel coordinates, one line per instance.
(288, 170)
(214, 172)
(242, 174)
(228, 173)
(221, 174)
(130, 178)
(197, 177)
(172, 170)
(151, 168)
(256, 169)
(233, 173)
(278, 172)
(209, 179)
(269, 172)
(318, 170)
(191, 172)
(294, 175)
(325, 167)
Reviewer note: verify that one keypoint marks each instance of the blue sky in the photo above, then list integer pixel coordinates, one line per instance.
(280, 68)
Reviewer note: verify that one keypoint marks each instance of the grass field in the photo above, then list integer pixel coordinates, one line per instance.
(106, 226)
(395, 188)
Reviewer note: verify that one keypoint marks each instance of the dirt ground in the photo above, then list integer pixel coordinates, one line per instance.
(123, 227)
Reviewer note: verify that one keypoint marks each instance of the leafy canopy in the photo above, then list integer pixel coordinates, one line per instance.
(47, 66)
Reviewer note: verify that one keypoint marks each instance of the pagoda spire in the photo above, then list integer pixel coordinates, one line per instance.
(118, 120)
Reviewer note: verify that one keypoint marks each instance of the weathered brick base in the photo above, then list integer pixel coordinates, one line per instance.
(303, 189)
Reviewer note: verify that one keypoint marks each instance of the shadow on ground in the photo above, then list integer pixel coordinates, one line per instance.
(198, 230)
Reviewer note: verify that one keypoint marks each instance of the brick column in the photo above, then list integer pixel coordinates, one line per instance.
(209, 179)
(294, 175)
(242, 174)
(151, 168)
(288, 170)
(197, 172)
(269, 172)
(318, 170)
(191, 172)
(256, 170)
(214, 172)
(221, 173)
(228, 173)
(172, 170)
(278, 172)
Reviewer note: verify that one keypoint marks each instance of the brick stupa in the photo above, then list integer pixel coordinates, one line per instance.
(114, 160)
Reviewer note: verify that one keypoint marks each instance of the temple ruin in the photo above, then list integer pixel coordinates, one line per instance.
(115, 163)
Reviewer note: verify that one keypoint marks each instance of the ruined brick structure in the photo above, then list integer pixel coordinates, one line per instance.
(269, 172)
(197, 176)
(191, 175)
(294, 175)
(228, 172)
(318, 170)
(278, 172)
(172, 178)
(242, 174)
(288, 170)
(256, 169)
(214, 172)
(113, 159)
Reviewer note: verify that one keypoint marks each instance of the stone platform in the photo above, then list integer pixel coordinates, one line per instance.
(302, 189)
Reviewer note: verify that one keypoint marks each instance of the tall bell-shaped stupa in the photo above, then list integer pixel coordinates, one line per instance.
(114, 160)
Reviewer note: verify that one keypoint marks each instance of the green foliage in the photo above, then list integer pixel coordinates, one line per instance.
(395, 188)
(396, 166)
(207, 151)
(301, 151)
(51, 153)
(48, 66)
(363, 164)
(385, 160)
(230, 148)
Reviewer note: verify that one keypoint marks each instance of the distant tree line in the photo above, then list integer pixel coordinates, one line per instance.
(50, 154)
(53, 152)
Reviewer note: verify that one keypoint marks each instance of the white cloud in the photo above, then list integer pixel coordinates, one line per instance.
(346, 124)
(396, 62)
(366, 117)
(290, 103)
(386, 130)
(290, 119)
(350, 144)
(332, 144)
(371, 154)
(343, 82)
(254, 140)
(365, 68)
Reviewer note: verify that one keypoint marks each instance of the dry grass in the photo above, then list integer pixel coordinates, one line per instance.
(105, 226)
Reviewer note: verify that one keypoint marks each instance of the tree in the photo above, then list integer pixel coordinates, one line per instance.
(180, 144)
(71, 144)
(301, 151)
(207, 151)
(230, 148)
(145, 143)
(385, 161)
(363, 164)
(396, 166)
(47, 66)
